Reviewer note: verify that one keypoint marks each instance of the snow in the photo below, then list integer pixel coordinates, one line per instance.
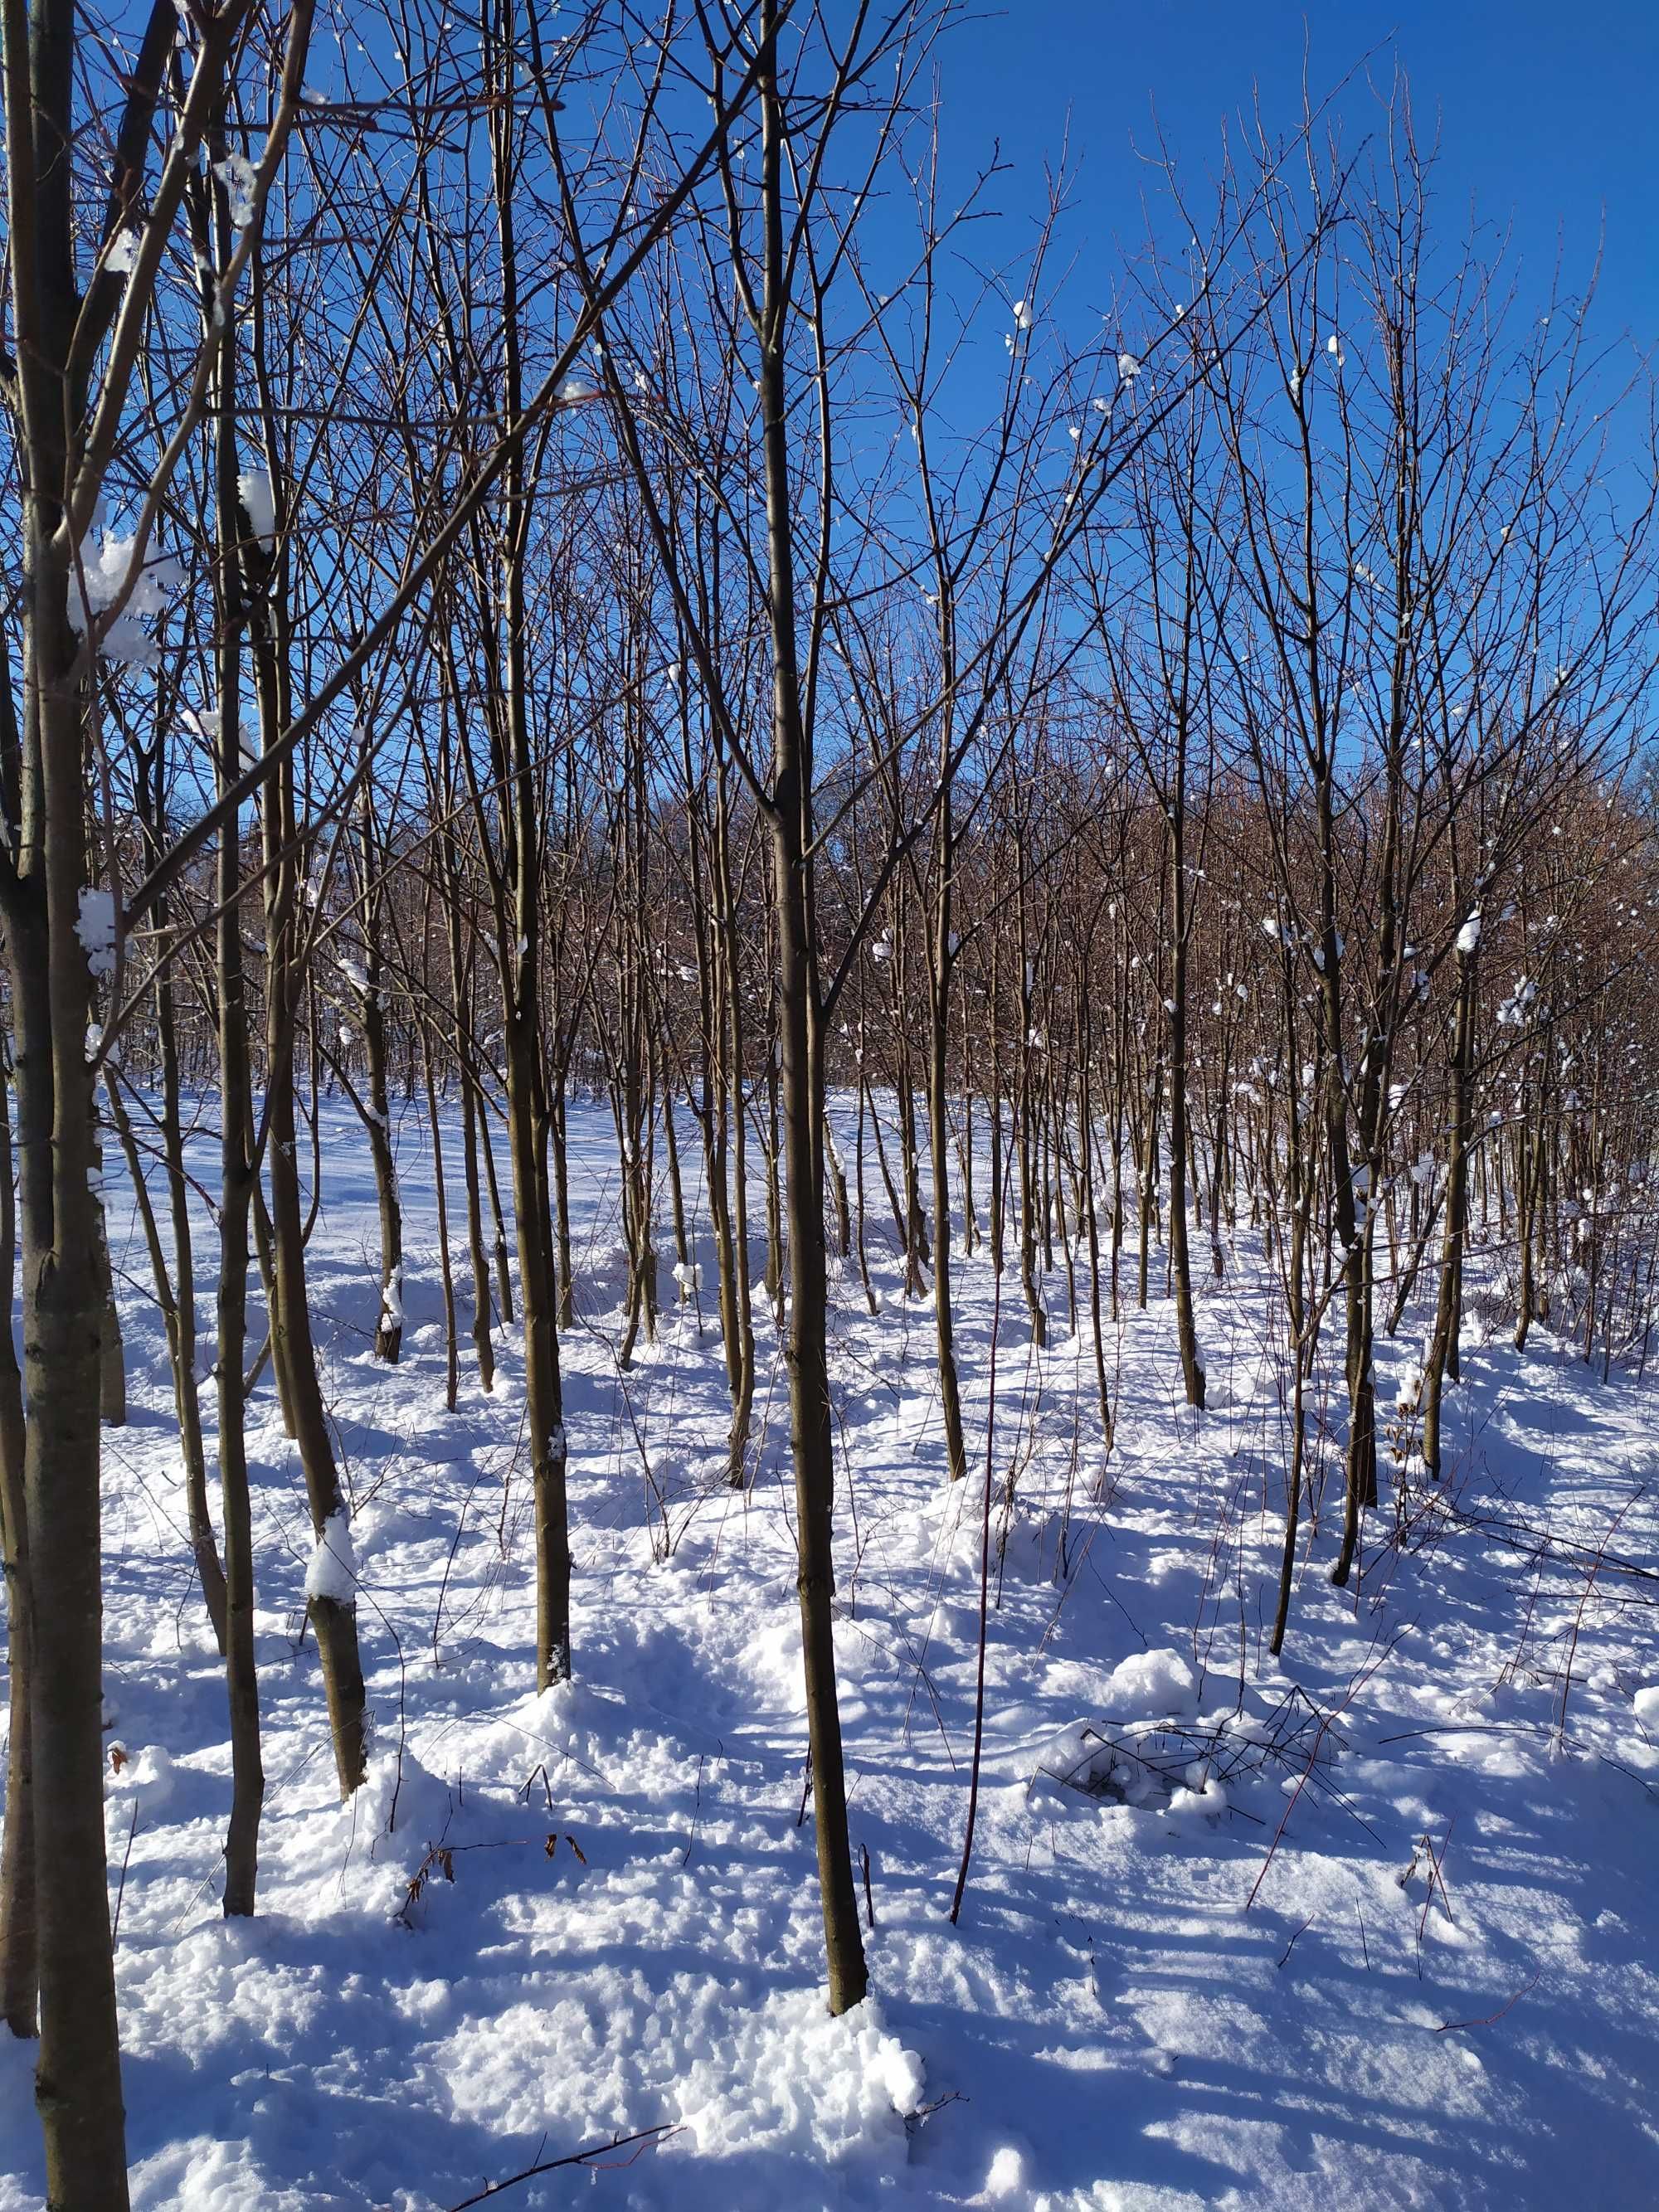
(1469, 936)
(258, 503)
(122, 252)
(94, 925)
(1154, 1683)
(1188, 1975)
(804, 2087)
(105, 572)
(332, 1572)
(238, 175)
(1127, 368)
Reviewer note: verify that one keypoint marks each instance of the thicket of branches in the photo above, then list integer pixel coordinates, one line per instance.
(554, 567)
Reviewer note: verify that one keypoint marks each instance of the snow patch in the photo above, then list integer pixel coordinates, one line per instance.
(239, 176)
(258, 503)
(332, 1572)
(107, 570)
(96, 927)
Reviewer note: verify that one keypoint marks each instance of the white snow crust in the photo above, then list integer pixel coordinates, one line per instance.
(1190, 1977)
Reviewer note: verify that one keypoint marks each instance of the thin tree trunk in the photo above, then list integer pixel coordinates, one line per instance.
(802, 1086)
(1442, 1344)
(19, 1980)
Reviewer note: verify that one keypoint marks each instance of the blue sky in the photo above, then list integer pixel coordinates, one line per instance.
(1548, 114)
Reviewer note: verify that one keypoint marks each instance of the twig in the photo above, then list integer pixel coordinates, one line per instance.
(121, 1887)
(1455, 1727)
(1291, 1946)
(592, 2157)
(1327, 1721)
(926, 2111)
(984, 1596)
(1448, 2027)
(1595, 1567)
(697, 1813)
(1437, 1861)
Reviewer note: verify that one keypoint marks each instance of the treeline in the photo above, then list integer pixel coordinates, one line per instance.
(1059, 1058)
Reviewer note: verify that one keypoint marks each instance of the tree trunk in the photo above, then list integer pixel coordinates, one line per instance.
(806, 1350)
(1441, 1360)
(19, 1980)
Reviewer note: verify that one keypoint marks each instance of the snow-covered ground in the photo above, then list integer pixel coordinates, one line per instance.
(1223, 1975)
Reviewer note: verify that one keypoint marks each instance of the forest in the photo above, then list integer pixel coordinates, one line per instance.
(827, 1187)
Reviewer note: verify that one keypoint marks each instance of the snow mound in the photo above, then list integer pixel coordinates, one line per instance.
(772, 1656)
(1031, 1546)
(571, 1718)
(1203, 1798)
(148, 1777)
(399, 1799)
(1152, 1682)
(1128, 1756)
(1647, 1707)
(1081, 1758)
(201, 2174)
(834, 2092)
(1005, 2176)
